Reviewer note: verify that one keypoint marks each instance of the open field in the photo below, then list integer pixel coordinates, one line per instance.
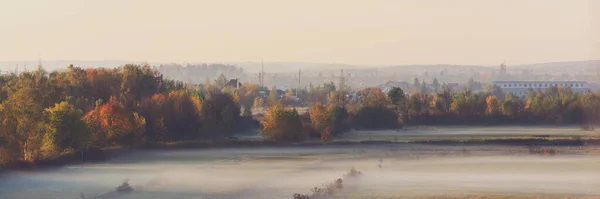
(407, 171)
(467, 133)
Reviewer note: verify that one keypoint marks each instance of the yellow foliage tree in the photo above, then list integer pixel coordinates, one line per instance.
(493, 105)
(283, 125)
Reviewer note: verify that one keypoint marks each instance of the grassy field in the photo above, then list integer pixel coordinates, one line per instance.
(467, 133)
(390, 170)
(405, 171)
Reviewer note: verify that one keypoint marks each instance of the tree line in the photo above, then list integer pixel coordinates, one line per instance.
(371, 108)
(45, 115)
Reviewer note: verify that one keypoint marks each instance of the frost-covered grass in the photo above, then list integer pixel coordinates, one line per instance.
(389, 171)
(466, 133)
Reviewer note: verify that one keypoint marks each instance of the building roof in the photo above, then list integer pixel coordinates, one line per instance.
(534, 81)
(233, 83)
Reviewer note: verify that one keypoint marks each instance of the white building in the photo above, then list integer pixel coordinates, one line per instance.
(520, 88)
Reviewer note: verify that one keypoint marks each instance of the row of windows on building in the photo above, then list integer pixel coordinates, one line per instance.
(518, 93)
(540, 85)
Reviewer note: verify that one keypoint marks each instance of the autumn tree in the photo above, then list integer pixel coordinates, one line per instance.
(22, 120)
(319, 94)
(248, 93)
(154, 110)
(64, 130)
(373, 97)
(320, 117)
(492, 105)
(338, 98)
(283, 125)
(138, 82)
(112, 123)
(182, 116)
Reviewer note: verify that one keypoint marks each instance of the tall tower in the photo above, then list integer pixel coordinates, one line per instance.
(503, 68)
(39, 60)
(342, 80)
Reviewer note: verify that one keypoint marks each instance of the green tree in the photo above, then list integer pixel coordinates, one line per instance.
(510, 106)
(65, 130)
(436, 85)
(424, 87)
(376, 117)
(221, 114)
(416, 84)
(470, 84)
(396, 96)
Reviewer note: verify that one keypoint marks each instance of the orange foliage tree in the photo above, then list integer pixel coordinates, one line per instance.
(112, 123)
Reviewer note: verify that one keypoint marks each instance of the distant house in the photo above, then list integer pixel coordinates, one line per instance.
(453, 86)
(281, 92)
(520, 88)
(405, 86)
(264, 93)
(233, 83)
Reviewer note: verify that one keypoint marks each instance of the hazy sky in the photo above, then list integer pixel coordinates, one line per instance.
(345, 31)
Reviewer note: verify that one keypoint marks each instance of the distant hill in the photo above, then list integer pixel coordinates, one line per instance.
(292, 67)
(570, 66)
(61, 64)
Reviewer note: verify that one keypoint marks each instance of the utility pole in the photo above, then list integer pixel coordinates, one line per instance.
(299, 73)
(262, 74)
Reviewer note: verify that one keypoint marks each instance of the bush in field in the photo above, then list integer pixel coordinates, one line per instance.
(330, 189)
(587, 127)
(282, 125)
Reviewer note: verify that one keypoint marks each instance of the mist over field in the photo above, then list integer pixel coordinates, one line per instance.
(406, 170)
(271, 99)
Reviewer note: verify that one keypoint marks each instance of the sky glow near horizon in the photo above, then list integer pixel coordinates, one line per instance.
(336, 31)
